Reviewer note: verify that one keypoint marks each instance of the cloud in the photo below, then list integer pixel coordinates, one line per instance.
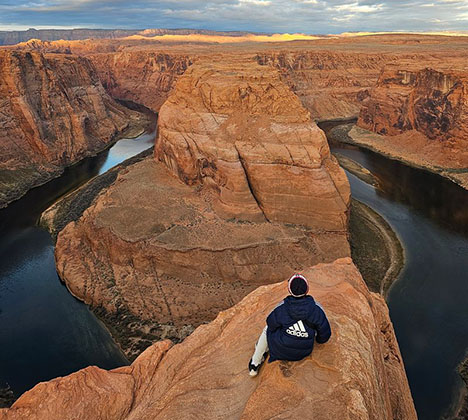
(308, 16)
(255, 2)
(358, 8)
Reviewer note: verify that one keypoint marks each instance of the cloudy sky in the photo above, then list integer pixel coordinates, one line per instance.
(308, 16)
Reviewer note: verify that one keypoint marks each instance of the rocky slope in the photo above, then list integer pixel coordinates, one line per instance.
(358, 374)
(256, 195)
(54, 111)
(420, 116)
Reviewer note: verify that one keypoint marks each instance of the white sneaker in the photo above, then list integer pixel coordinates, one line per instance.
(253, 370)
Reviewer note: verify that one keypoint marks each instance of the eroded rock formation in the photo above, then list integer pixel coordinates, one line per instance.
(256, 196)
(329, 84)
(331, 76)
(431, 102)
(358, 374)
(144, 77)
(54, 111)
(235, 129)
(421, 116)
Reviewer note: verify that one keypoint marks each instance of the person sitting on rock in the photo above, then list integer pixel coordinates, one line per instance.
(291, 327)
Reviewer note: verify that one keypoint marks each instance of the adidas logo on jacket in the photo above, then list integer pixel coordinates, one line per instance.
(298, 330)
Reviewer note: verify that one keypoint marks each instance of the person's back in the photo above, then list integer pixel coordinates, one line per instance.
(292, 327)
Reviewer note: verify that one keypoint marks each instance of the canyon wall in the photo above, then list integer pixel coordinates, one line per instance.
(331, 76)
(431, 102)
(419, 116)
(126, 69)
(140, 76)
(358, 374)
(243, 191)
(54, 111)
(330, 84)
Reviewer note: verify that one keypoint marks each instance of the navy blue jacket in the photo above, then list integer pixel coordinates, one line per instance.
(292, 327)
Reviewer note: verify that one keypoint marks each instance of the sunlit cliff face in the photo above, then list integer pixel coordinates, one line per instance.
(441, 33)
(228, 39)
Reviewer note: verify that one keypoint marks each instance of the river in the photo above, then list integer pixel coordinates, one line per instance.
(44, 331)
(428, 303)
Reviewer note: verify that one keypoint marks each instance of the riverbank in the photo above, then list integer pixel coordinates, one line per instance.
(352, 134)
(375, 248)
(356, 169)
(461, 408)
(70, 207)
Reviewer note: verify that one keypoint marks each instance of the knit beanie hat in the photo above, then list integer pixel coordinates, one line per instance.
(298, 285)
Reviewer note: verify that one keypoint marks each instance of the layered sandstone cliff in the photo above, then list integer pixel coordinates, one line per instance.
(431, 102)
(331, 76)
(330, 84)
(421, 116)
(54, 111)
(144, 77)
(235, 129)
(358, 374)
(256, 196)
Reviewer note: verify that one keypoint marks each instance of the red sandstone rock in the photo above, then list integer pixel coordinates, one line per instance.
(358, 374)
(141, 76)
(54, 112)
(331, 76)
(154, 254)
(419, 116)
(431, 102)
(235, 129)
(329, 84)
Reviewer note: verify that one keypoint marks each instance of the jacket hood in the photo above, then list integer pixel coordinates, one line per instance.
(298, 308)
